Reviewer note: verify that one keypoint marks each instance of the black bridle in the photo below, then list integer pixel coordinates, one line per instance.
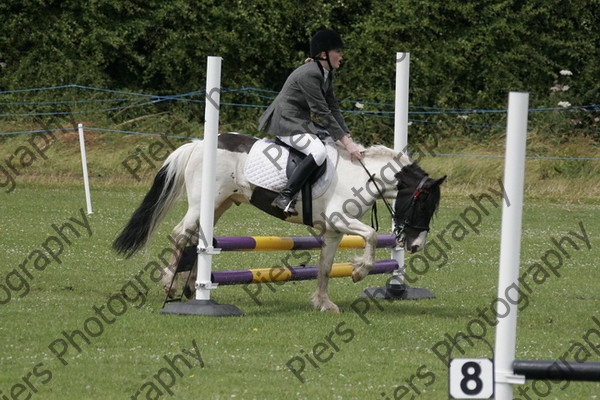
(409, 215)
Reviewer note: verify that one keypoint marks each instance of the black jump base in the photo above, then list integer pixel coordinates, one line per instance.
(203, 307)
(397, 292)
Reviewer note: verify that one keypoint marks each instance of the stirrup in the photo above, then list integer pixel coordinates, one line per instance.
(291, 208)
(285, 204)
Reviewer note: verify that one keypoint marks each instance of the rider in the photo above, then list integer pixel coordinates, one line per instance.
(305, 109)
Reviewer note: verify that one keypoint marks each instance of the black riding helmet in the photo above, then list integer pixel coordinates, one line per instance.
(325, 40)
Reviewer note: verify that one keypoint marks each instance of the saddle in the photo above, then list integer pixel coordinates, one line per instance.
(268, 166)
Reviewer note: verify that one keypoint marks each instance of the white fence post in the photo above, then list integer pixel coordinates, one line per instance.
(510, 243)
(207, 207)
(400, 140)
(86, 181)
(395, 288)
(202, 304)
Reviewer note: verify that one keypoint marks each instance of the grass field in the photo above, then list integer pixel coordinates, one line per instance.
(66, 334)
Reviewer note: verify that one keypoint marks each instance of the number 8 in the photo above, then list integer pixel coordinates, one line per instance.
(468, 377)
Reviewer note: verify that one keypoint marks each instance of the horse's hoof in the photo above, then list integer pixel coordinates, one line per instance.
(324, 304)
(332, 308)
(170, 293)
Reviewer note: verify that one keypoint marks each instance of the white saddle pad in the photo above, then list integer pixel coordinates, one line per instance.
(267, 162)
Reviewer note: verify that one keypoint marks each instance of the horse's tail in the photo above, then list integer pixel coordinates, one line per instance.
(165, 191)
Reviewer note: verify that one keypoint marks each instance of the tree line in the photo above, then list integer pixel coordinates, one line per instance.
(464, 53)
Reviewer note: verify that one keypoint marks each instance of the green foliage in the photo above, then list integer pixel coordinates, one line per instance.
(471, 53)
(463, 53)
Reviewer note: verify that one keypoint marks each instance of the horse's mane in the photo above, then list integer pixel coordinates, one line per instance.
(380, 151)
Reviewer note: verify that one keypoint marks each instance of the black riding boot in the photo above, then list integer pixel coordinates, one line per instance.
(302, 172)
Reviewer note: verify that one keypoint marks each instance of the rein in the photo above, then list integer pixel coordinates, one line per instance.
(374, 209)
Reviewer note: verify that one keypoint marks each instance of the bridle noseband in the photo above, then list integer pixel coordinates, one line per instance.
(400, 228)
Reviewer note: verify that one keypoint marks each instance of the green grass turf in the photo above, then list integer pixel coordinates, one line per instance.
(379, 353)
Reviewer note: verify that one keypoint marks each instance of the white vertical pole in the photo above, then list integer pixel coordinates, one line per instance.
(207, 213)
(400, 138)
(510, 241)
(86, 181)
(401, 103)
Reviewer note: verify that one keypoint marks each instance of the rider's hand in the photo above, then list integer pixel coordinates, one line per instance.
(351, 147)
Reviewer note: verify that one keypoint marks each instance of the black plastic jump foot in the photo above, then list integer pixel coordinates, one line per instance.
(397, 292)
(203, 307)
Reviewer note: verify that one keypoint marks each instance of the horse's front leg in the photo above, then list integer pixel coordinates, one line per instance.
(362, 265)
(320, 298)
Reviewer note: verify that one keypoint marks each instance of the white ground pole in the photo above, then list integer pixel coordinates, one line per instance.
(207, 212)
(86, 180)
(510, 243)
(400, 140)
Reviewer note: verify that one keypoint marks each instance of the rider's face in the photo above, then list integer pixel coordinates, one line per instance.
(335, 58)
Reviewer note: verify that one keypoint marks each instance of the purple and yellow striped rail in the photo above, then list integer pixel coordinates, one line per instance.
(274, 243)
(281, 274)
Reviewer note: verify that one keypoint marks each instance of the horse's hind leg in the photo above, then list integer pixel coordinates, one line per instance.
(184, 232)
(189, 278)
(320, 298)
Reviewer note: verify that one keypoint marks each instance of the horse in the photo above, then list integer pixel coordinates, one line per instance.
(354, 188)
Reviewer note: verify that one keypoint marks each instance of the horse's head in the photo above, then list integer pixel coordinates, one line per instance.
(417, 199)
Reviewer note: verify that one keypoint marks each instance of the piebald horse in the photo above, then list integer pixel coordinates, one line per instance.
(351, 193)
